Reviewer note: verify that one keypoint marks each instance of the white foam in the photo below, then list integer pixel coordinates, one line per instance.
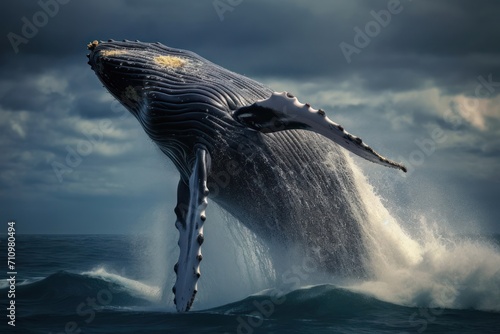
(426, 269)
(421, 268)
(134, 287)
(234, 263)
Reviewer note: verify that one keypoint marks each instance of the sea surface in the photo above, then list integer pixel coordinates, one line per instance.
(102, 284)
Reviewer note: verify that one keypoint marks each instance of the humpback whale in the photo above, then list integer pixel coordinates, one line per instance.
(277, 165)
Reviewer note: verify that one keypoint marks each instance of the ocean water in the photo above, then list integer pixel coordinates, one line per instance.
(98, 284)
(426, 279)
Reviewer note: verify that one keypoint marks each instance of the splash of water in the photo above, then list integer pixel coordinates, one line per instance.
(235, 263)
(134, 287)
(430, 267)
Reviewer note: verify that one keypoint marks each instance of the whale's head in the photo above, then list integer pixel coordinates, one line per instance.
(134, 72)
(180, 98)
(137, 73)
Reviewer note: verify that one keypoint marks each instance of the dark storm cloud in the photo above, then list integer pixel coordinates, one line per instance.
(395, 87)
(80, 21)
(445, 42)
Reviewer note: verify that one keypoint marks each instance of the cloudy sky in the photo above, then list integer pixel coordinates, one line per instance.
(418, 80)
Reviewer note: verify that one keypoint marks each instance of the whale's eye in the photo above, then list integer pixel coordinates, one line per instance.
(131, 95)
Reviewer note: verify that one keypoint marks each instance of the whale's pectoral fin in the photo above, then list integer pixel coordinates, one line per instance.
(282, 111)
(190, 211)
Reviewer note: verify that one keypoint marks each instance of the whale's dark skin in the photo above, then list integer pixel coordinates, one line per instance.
(291, 187)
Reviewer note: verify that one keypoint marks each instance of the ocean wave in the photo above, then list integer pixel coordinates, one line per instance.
(135, 288)
(66, 292)
(316, 301)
